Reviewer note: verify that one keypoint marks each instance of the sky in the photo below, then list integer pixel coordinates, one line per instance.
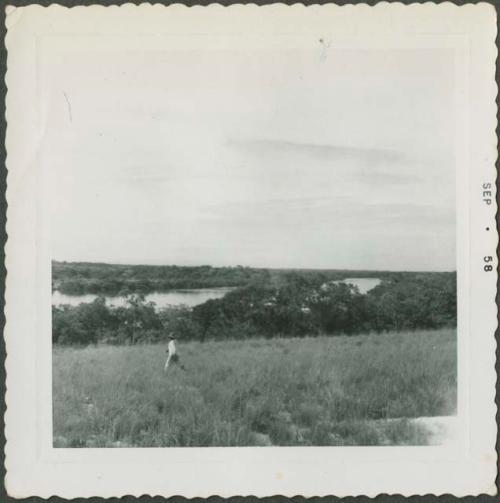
(279, 158)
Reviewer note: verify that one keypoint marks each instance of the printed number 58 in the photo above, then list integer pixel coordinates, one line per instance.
(488, 267)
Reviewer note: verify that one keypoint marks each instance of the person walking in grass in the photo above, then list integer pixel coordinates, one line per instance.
(172, 357)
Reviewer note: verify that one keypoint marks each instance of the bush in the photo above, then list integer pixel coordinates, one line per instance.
(297, 306)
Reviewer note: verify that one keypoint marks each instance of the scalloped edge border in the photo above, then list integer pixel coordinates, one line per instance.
(4, 237)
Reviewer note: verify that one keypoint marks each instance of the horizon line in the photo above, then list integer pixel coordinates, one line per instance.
(254, 267)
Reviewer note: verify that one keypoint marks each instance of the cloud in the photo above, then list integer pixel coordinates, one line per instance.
(339, 213)
(363, 165)
(319, 151)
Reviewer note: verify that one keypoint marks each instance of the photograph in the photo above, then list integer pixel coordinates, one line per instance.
(252, 248)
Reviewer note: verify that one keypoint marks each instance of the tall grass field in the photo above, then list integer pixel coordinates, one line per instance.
(344, 390)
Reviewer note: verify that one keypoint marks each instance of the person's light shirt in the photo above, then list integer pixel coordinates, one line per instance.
(171, 348)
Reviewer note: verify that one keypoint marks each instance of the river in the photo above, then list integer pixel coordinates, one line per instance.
(191, 297)
(364, 284)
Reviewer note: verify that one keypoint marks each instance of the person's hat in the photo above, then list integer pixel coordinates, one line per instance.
(171, 335)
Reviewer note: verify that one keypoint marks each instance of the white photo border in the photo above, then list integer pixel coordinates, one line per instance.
(35, 468)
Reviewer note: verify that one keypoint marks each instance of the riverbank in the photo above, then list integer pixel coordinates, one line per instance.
(187, 297)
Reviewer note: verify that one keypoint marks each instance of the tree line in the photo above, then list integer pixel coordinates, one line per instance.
(78, 278)
(299, 305)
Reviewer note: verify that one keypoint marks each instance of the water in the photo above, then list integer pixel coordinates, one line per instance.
(190, 298)
(364, 284)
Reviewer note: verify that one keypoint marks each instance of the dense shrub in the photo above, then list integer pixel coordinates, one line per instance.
(410, 301)
(75, 278)
(298, 305)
